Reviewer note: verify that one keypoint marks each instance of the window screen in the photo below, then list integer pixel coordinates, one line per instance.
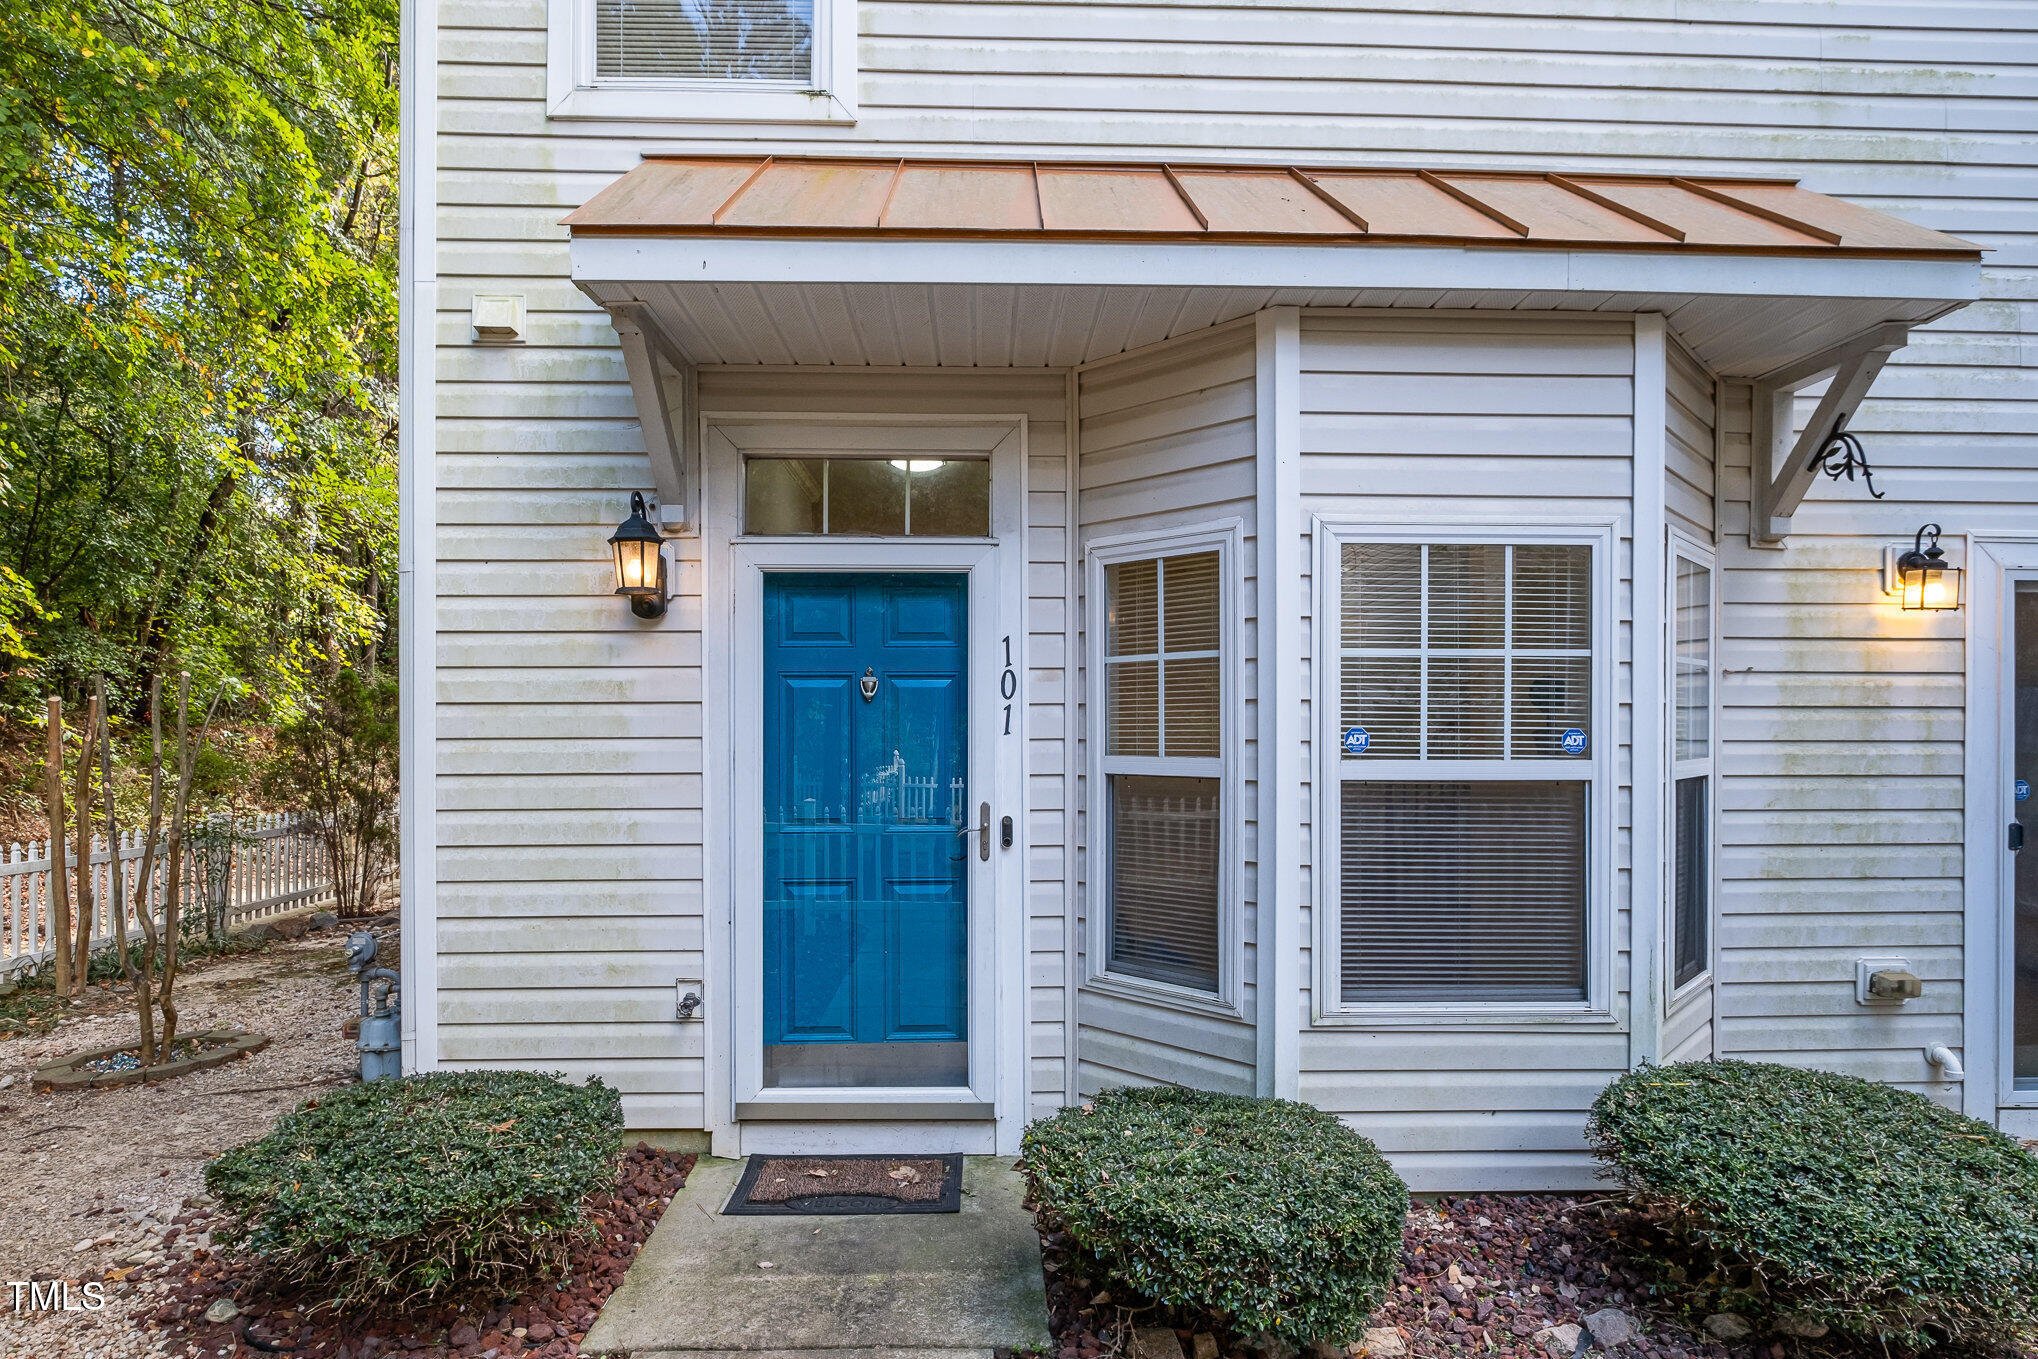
(750, 40)
(1465, 721)
(1692, 888)
(1162, 757)
(1463, 891)
(1164, 872)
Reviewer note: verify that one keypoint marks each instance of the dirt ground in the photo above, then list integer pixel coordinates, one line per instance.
(91, 1181)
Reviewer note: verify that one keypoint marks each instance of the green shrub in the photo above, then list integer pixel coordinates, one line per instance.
(1872, 1210)
(402, 1189)
(1270, 1212)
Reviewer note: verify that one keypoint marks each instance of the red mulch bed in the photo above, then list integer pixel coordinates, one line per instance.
(1523, 1264)
(547, 1320)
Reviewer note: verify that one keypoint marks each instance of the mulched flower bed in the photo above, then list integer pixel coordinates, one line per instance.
(1481, 1275)
(547, 1320)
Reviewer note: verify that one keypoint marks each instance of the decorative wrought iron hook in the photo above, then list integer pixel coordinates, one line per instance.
(1842, 454)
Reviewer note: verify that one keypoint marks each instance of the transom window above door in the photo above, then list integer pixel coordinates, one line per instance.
(916, 497)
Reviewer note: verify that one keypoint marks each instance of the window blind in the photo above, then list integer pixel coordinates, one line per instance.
(762, 40)
(1164, 875)
(1456, 891)
(1163, 691)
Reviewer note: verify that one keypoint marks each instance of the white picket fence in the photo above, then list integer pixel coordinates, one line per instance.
(271, 864)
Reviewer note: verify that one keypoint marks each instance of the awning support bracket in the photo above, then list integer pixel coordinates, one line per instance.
(664, 386)
(1777, 489)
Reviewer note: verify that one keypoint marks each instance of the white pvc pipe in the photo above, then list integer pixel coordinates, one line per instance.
(1941, 1056)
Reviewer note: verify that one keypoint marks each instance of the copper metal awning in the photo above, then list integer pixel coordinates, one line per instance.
(767, 196)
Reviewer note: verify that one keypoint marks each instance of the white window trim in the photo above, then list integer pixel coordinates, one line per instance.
(572, 90)
(1226, 538)
(1699, 553)
(1327, 1008)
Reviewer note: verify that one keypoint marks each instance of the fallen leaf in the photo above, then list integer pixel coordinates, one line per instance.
(906, 1175)
(503, 1126)
(766, 1264)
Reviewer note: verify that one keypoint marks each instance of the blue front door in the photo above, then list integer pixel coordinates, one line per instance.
(865, 788)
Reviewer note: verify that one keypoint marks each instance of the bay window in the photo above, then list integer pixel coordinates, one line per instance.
(1468, 773)
(1161, 881)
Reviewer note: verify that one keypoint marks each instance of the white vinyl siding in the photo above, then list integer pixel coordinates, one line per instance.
(1167, 449)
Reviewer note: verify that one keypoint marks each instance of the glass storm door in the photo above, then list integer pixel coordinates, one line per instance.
(865, 793)
(2023, 1045)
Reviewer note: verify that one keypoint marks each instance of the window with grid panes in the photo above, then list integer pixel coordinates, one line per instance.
(1691, 753)
(1465, 705)
(1162, 763)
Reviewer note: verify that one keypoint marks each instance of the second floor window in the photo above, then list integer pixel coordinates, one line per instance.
(763, 41)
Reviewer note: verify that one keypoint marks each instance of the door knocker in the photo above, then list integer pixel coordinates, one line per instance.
(868, 684)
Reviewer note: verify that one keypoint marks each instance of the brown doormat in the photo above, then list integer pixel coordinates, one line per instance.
(845, 1186)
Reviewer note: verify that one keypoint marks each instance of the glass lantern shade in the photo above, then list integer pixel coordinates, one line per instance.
(640, 561)
(1924, 581)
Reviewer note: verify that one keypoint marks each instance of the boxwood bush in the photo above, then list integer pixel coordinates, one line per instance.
(1270, 1212)
(1869, 1209)
(404, 1189)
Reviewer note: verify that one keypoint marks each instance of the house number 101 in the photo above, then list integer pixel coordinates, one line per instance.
(1008, 684)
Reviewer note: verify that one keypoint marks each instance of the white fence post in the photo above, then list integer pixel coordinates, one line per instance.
(274, 867)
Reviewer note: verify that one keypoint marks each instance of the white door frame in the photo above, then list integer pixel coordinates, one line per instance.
(734, 564)
(1994, 563)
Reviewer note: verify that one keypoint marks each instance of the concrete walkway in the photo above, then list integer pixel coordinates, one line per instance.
(941, 1285)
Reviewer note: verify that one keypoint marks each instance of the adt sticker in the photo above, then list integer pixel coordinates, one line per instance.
(1573, 742)
(2023, 789)
(1356, 741)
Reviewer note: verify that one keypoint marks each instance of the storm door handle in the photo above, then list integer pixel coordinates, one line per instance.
(982, 830)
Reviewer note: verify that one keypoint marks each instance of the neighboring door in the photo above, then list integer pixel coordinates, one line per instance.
(867, 832)
(2021, 1051)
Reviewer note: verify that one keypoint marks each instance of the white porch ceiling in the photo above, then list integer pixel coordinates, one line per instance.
(1040, 325)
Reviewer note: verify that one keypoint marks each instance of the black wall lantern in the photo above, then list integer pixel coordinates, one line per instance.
(640, 562)
(1923, 579)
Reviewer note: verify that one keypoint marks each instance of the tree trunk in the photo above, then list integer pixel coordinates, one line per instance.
(145, 878)
(116, 874)
(59, 877)
(172, 914)
(81, 961)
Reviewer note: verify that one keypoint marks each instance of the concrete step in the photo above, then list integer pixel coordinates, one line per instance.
(926, 1285)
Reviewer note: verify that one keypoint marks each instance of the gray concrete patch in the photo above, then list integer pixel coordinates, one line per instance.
(945, 1285)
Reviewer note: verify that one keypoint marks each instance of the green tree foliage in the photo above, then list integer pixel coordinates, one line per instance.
(337, 761)
(197, 356)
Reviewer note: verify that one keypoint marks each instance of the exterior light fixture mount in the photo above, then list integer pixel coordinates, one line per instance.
(1920, 576)
(640, 561)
